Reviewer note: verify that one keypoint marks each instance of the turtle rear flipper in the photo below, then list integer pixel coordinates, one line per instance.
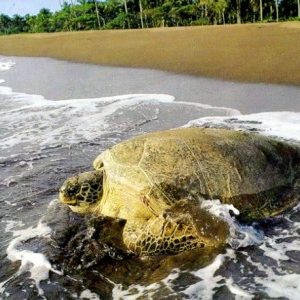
(266, 204)
(184, 226)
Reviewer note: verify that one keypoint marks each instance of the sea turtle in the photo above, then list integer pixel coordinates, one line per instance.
(156, 182)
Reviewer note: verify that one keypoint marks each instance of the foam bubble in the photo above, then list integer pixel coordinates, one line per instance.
(6, 64)
(208, 280)
(87, 294)
(36, 263)
(285, 125)
(229, 111)
(135, 291)
(11, 224)
(240, 235)
(277, 283)
(204, 288)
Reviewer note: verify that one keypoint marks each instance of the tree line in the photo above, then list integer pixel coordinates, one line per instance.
(126, 14)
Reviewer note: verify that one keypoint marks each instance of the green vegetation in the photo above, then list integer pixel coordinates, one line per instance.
(123, 14)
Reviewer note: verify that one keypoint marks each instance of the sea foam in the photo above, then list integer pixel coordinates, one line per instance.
(33, 120)
(36, 263)
(6, 64)
(284, 124)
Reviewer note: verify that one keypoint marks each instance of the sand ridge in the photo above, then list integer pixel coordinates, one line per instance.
(250, 52)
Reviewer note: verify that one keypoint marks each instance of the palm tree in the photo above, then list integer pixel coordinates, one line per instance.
(97, 13)
(261, 10)
(238, 12)
(126, 12)
(276, 7)
(141, 13)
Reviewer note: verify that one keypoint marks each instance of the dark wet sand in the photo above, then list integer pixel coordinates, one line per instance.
(55, 79)
(250, 53)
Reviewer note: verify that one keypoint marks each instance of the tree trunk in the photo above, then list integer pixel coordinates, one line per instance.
(141, 13)
(261, 10)
(126, 12)
(125, 6)
(215, 20)
(271, 12)
(276, 8)
(97, 14)
(72, 12)
(223, 17)
(238, 12)
(298, 8)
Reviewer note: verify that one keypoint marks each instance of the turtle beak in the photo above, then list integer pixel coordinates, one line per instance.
(98, 163)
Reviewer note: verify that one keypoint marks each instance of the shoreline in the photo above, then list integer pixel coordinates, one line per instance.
(257, 53)
(62, 80)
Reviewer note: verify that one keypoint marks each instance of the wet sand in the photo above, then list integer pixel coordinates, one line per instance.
(56, 79)
(249, 53)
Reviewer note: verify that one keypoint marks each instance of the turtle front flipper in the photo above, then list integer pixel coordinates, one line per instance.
(182, 227)
(98, 238)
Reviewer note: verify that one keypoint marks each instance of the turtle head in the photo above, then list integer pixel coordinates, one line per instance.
(82, 192)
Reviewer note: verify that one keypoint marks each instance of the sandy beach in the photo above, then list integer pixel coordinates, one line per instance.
(249, 53)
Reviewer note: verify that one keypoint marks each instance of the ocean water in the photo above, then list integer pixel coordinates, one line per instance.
(44, 141)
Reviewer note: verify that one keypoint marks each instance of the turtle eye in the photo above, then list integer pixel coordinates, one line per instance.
(72, 190)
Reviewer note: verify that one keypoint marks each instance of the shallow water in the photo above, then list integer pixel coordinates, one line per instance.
(45, 141)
